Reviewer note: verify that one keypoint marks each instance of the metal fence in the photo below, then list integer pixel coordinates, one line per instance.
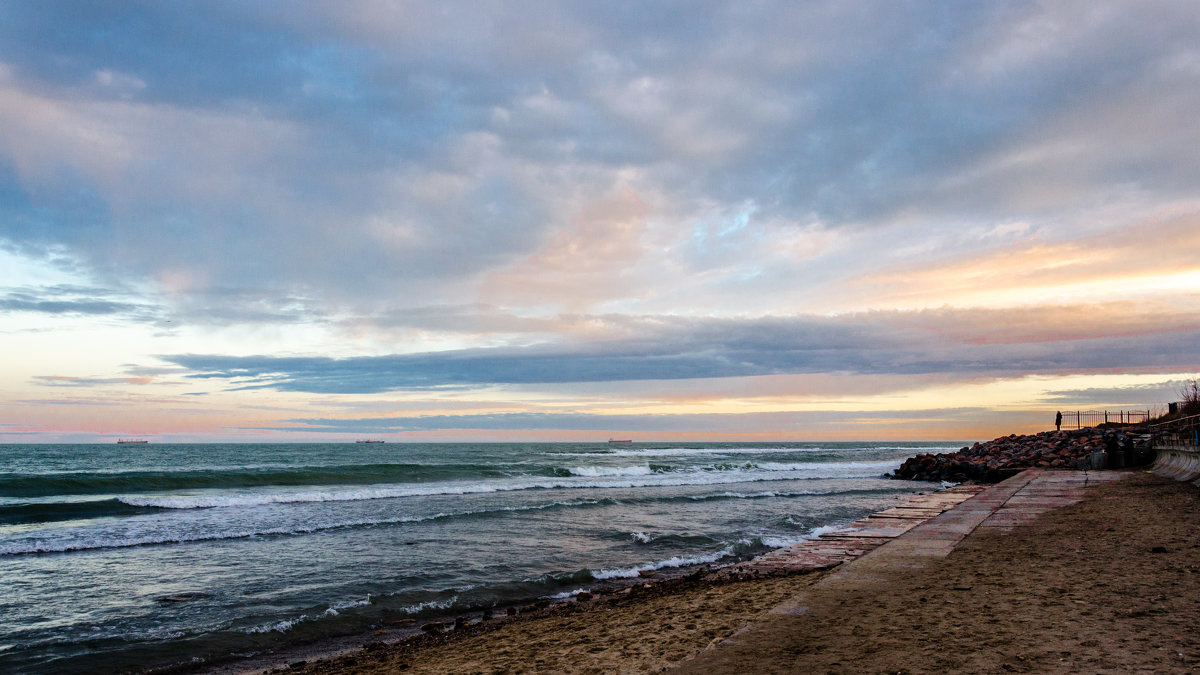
(1181, 431)
(1079, 419)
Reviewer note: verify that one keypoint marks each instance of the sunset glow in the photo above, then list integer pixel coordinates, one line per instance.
(335, 220)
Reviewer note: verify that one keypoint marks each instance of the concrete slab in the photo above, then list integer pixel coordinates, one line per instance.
(908, 512)
(859, 537)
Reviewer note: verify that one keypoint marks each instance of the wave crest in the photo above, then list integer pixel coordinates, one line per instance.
(676, 561)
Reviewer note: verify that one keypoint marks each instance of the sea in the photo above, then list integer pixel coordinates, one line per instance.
(167, 556)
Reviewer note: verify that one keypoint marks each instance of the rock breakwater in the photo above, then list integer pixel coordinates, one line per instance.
(1002, 457)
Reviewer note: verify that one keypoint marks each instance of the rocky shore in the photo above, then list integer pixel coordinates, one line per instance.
(997, 459)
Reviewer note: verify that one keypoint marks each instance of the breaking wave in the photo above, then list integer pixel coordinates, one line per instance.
(580, 477)
(69, 542)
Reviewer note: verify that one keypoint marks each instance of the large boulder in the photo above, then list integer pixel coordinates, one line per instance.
(1002, 457)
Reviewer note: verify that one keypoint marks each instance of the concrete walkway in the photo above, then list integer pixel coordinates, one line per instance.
(852, 541)
(1003, 506)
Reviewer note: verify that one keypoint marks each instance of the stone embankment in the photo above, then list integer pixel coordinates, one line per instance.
(1002, 457)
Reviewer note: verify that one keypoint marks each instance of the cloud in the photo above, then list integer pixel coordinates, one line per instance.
(19, 303)
(82, 382)
(673, 349)
(1158, 258)
(773, 200)
(73, 301)
(71, 403)
(1130, 395)
(700, 423)
(375, 156)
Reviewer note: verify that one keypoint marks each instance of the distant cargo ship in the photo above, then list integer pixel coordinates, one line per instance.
(620, 440)
(368, 440)
(132, 441)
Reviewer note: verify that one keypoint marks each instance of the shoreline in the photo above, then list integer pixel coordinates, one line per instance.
(956, 613)
(812, 557)
(291, 546)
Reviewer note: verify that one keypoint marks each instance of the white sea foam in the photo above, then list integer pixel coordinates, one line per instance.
(567, 594)
(134, 534)
(287, 624)
(336, 608)
(349, 604)
(691, 452)
(728, 494)
(824, 529)
(677, 561)
(845, 468)
(733, 450)
(583, 477)
(641, 537)
(781, 542)
(741, 495)
(77, 539)
(430, 604)
(776, 541)
(602, 471)
(278, 626)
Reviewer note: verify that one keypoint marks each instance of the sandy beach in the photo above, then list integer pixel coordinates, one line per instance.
(1106, 585)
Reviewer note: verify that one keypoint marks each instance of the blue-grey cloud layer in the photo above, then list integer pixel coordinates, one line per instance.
(1129, 396)
(289, 146)
(683, 349)
(65, 300)
(677, 423)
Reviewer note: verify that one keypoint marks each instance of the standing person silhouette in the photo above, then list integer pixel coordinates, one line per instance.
(1058, 421)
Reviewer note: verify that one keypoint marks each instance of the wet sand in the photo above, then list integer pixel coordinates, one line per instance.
(1111, 584)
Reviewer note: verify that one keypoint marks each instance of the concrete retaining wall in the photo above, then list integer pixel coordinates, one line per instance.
(1181, 462)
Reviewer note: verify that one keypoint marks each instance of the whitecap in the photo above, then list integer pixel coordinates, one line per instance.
(73, 540)
(823, 529)
(279, 627)
(601, 471)
(430, 604)
(582, 477)
(285, 625)
(776, 541)
(677, 561)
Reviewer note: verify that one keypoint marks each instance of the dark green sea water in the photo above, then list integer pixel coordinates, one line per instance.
(127, 557)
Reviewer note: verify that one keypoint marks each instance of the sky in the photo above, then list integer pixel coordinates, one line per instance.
(542, 221)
